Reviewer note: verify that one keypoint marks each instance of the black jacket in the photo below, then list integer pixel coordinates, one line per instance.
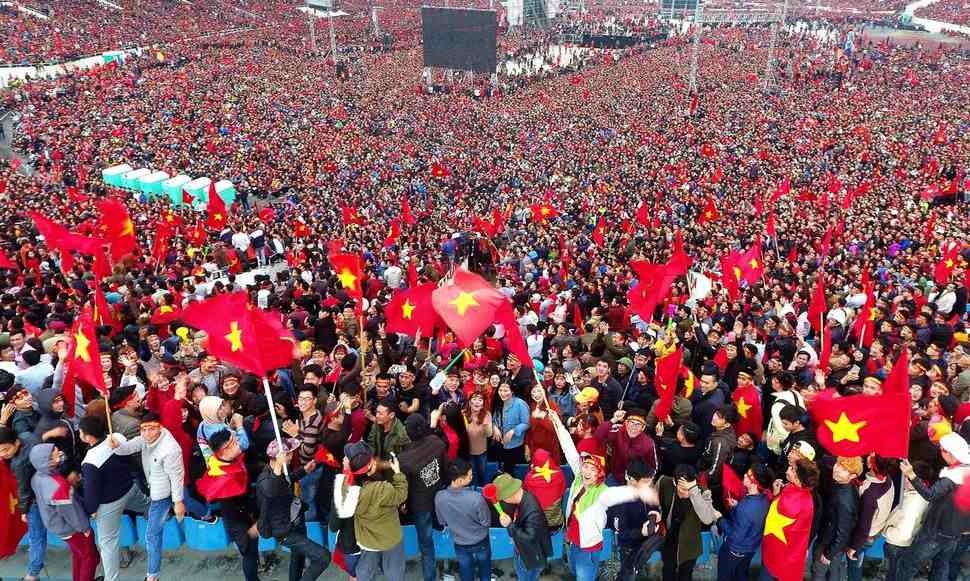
(425, 463)
(274, 496)
(942, 516)
(840, 510)
(530, 533)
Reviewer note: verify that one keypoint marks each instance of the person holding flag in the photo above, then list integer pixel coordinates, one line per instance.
(743, 525)
(788, 526)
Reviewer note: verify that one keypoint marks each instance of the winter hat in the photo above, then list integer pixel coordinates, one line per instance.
(507, 485)
(417, 427)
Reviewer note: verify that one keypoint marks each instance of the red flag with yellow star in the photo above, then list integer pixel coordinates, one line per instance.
(232, 335)
(83, 360)
(12, 529)
(411, 311)
(467, 305)
(350, 273)
(784, 544)
(217, 214)
(751, 264)
(393, 233)
(748, 402)
(709, 213)
(860, 424)
(543, 212)
(351, 216)
(668, 373)
(116, 227)
(223, 479)
(103, 313)
(300, 230)
(947, 264)
(545, 479)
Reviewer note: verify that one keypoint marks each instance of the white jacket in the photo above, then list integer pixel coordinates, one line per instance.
(907, 518)
(776, 431)
(162, 463)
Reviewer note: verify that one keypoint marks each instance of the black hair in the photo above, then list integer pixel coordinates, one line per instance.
(314, 369)
(637, 469)
(763, 475)
(685, 472)
(792, 413)
(311, 387)
(94, 426)
(692, 433)
(31, 357)
(807, 473)
(151, 417)
(218, 440)
(729, 413)
(7, 436)
(459, 468)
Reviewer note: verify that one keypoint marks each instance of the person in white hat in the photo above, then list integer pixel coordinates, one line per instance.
(945, 525)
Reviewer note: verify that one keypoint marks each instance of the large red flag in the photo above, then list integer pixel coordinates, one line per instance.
(411, 311)
(513, 334)
(116, 227)
(216, 209)
(751, 264)
(598, 232)
(103, 313)
(83, 361)
(860, 424)
(947, 264)
(350, 273)
(543, 212)
(654, 282)
(393, 233)
(818, 306)
(12, 528)
(865, 324)
(668, 372)
(784, 544)
(467, 305)
(276, 342)
(223, 479)
(748, 401)
(351, 216)
(709, 213)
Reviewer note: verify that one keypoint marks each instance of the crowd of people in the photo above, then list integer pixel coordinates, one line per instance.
(952, 11)
(853, 171)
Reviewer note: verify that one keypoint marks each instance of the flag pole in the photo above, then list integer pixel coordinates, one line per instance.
(276, 425)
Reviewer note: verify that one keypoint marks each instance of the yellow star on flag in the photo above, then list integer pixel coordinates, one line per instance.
(754, 263)
(81, 343)
(845, 429)
(13, 504)
(737, 273)
(407, 309)
(217, 216)
(776, 522)
(463, 301)
(545, 211)
(743, 407)
(545, 471)
(949, 263)
(347, 279)
(128, 229)
(234, 337)
(708, 214)
(215, 466)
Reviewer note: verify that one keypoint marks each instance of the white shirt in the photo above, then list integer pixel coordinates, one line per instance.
(392, 276)
(240, 240)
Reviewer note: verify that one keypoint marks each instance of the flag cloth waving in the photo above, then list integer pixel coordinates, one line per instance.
(784, 543)
(668, 373)
(83, 360)
(412, 311)
(467, 305)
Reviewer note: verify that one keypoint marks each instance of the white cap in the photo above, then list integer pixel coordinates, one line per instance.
(957, 447)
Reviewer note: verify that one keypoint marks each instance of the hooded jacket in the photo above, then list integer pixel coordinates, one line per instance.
(70, 444)
(60, 511)
(942, 516)
(425, 462)
(23, 471)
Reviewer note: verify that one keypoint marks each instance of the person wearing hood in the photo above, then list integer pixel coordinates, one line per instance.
(109, 490)
(62, 513)
(57, 430)
(719, 449)
(161, 460)
(214, 413)
(16, 452)
(424, 460)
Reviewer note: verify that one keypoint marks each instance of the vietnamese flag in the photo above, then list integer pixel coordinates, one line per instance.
(545, 479)
(116, 227)
(721, 359)
(223, 480)
(275, 341)
(859, 424)
(406, 211)
(819, 305)
(5, 261)
(668, 373)
(83, 361)
(103, 313)
(748, 402)
(197, 235)
(412, 273)
(439, 171)
(351, 216)
(731, 274)
(709, 213)
(233, 262)
(946, 265)
(266, 215)
(825, 354)
(229, 325)
(300, 230)
(412, 311)
(643, 215)
(578, 319)
(101, 266)
(733, 487)
(782, 190)
(393, 233)
(172, 220)
(12, 529)
(350, 273)
(187, 198)
(679, 261)
(751, 264)
(865, 323)
(770, 227)
(467, 304)
(514, 341)
(598, 232)
(216, 208)
(543, 212)
(75, 196)
(653, 285)
(784, 544)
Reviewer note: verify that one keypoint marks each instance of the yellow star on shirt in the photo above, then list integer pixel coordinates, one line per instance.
(81, 343)
(407, 309)
(776, 522)
(743, 407)
(234, 337)
(845, 429)
(347, 279)
(545, 211)
(545, 471)
(463, 301)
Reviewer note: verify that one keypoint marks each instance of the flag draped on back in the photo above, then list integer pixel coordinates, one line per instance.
(223, 479)
(784, 543)
(748, 401)
(12, 529)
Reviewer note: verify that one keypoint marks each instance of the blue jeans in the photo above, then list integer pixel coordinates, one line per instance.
(523, 573)
(854, 566)
(733, 566)
(158, 515)
(931, 547)
(193, 505)
(308, 560)
(308, 491)
(474, 561)
(424, 522)
(478, 461)
(584, 564)
(892, 553)
(38, 541)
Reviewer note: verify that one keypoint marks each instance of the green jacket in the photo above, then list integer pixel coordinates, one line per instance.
(701, 513)
(394, 441)
(377, 525)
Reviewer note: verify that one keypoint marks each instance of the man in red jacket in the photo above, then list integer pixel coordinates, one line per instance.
(624, 433)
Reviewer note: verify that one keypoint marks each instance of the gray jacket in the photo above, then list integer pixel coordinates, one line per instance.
(61, 512)
(162, 463)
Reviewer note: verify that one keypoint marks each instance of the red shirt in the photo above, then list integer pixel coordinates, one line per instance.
(572, 531)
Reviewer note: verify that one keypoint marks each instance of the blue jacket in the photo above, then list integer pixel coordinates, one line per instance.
(514, 415)
(744, 525)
